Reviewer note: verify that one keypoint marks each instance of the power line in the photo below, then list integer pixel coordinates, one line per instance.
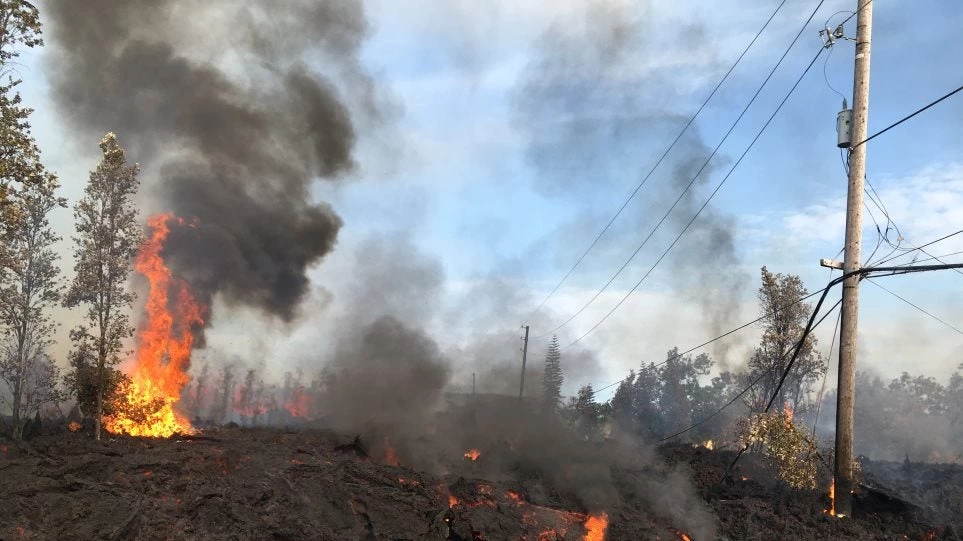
(909, 116)
(657, 163)
(810, 327)
(695, 177)
(920, 248)
(864, 272)
(704, 205)
(720, 337)
(822, 388)
(915, 306)
(931, 258)
(853, 14)
(808, 330)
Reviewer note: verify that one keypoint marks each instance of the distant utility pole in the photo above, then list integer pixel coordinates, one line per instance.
(473, 383)
(854, 223)
(521, 387)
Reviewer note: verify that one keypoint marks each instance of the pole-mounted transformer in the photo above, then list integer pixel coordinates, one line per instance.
(844, 127)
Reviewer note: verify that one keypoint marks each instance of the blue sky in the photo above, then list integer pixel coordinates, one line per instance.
(490, 185)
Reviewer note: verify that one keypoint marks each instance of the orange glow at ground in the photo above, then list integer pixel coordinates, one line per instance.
(832, 499)
(472, 454)
(595, 527)
(391, 457)
(298, 406)
(164, 342)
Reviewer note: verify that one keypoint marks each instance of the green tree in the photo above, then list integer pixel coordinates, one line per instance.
(623, 407)
(780, 298)
(19, 27)
(19, 158)
(86, 381)
(679, 378)
(586, 411)
(108, 237)
(552, 377)
(29, 287)
(22, 174)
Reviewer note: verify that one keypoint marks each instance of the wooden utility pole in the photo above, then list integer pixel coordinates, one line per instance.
(854, 224)
(521, 387)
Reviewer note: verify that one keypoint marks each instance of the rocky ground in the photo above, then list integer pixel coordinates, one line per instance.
(235, 483)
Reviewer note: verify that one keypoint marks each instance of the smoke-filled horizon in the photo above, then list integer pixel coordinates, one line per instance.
(237, 114)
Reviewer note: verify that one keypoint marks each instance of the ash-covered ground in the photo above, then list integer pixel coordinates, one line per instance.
(241, 483)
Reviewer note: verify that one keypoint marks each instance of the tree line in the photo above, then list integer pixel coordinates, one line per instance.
(107, 236)
(912, 415)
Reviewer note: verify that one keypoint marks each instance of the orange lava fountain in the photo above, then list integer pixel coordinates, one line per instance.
(146, 407)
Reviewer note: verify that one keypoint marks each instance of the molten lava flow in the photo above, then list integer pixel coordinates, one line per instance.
(146, 406)
(595, 527)
(472, 454)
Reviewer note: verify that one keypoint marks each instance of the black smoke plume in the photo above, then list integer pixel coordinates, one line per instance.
(234, 108)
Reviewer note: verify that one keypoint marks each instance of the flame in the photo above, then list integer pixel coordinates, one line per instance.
(595, 527)
(453, 501)
(146, 407)
(788, 412)
(832, 499)
(298, 406)
(513, 496)
(709, 445)
(391, 457)
(472, 454)
(409, 482)
(73, 426)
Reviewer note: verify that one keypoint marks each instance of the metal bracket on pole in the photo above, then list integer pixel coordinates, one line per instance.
(831, 264)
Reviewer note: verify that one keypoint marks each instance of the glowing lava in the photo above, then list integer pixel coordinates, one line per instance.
(595, 527)
(146, 407)
(472, 454)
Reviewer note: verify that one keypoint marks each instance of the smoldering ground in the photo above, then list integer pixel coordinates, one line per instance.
(390, 383)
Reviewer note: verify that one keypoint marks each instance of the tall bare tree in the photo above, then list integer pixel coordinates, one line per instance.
(108, 237)
(29, 287)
